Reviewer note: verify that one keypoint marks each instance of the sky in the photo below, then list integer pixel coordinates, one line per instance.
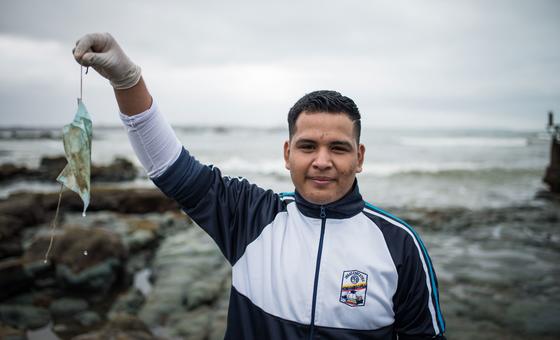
(406, 64)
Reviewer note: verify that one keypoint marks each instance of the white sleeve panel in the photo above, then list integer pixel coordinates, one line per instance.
(153, 140)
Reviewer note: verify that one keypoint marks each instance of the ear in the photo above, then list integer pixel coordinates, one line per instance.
(361, 154)
(287, 154)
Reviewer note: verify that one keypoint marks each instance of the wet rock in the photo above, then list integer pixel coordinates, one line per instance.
(10, 229)
(552, 175)
(24, 317)
(197, 327)
(139, 239)
(9, 333)
(36, 208)
(34, 298)
(61, 328)
(9, 226)
(120, 169)
(10, 248)
(141, 233)
(179, 293)
(127, 303)
(10, 172)
(86, 259)
(498, 271)
(49, 168)
(144, 224)
(79, 248)
(24, 207)
(534, 317)
(13, 277)
(67, 307)
(98, 278)
(88, 318)
(122, 327)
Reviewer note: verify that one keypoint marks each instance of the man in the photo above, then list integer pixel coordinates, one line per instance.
(319, 263)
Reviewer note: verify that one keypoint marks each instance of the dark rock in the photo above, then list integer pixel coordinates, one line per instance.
(10, 172)
(142, 201)
(128, 303)
(13, 277)
(548, 195)
(25, 207)
(50, 167)
(552, 175)
(24, 317)
(35, 208)
(67, 307)
(119, 170)
(9, 226)
(90, 259)
(88, 318)
(98, 243)
(36, 298)
(122, 327)
(141, 233)
(9, 333)
(98, 278)
(140, 239)
(10, 248)
(10, 242)
(61, 328)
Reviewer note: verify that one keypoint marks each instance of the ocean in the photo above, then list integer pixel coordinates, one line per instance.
(403, 168)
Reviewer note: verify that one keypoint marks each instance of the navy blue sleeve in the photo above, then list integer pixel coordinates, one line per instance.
(416, 300)
(417, 314)
(231, 210)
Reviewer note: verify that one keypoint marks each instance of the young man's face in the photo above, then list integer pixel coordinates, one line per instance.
(323, 156)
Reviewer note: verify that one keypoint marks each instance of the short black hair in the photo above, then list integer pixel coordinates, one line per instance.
(325, 101)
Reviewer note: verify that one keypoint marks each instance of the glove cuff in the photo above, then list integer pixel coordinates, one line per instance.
(129, 79)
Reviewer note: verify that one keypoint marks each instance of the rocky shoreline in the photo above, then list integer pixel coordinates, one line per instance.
(49, 168)
(131, 268)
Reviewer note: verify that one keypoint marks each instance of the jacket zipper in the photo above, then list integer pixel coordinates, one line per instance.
(323, 216)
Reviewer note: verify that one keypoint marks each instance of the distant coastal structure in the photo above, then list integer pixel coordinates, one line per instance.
(552, 174)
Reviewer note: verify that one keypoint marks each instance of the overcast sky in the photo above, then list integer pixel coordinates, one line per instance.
(482, 64)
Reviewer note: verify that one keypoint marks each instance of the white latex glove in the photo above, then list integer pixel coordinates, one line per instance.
(102, 52)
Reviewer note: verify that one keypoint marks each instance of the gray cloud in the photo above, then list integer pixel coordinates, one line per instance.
(434, 63)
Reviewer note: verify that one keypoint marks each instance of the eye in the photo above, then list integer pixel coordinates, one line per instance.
(306, 147)
(339, 149)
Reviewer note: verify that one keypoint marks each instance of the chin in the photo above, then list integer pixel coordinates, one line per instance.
(319, 199)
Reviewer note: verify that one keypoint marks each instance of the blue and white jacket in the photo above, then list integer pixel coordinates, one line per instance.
(345, 270)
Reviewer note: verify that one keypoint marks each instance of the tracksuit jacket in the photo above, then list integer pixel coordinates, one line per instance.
(345, 270)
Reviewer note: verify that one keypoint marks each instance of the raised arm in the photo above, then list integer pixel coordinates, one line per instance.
(222, 206)
(152, 138)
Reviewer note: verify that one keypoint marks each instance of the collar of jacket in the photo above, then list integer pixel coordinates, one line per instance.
(346, 207)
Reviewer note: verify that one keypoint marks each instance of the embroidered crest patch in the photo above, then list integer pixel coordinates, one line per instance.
(353, 288)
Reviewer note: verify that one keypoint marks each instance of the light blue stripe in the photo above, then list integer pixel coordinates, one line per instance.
(282, 194)
(425, 253)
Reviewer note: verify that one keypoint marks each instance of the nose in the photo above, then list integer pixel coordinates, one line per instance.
(323, 159)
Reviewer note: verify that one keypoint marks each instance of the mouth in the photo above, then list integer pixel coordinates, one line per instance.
(321, 180)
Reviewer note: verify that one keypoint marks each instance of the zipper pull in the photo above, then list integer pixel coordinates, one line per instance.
(323, 212)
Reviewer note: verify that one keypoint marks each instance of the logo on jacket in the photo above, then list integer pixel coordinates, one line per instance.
(353, 289)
